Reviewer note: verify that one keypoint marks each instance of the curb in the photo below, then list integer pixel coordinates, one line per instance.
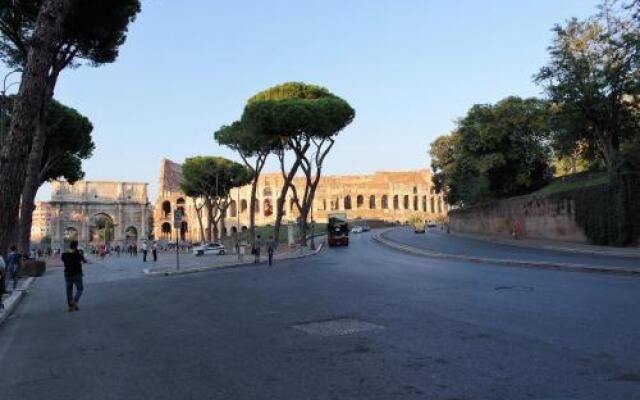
(149, 273)
(506, 262)
(12, 302)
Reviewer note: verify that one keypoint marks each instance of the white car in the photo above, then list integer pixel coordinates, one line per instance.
(357, 229)
(209, 248)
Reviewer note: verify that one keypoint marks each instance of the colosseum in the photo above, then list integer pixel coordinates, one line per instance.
(385, 196)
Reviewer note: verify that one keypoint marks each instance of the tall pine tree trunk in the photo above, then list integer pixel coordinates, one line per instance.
(252, 209)
(199, 214)
(33, 89)
(32, 181)
(288, 181)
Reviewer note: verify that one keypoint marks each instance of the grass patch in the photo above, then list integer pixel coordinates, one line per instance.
(577, 181)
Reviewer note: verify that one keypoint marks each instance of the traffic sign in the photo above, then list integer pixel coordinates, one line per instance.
(177, 219)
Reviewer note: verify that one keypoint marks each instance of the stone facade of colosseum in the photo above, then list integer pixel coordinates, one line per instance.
(386, 196)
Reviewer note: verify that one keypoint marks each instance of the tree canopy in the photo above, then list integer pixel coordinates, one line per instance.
(593, 80)
(93, 30)
(496, 151)
(296, 109)
(248, 144)
(68, 142)
(212, 177)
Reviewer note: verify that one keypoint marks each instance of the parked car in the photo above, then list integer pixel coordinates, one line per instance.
(209, 248)
(365, 228)
(431, 224)
(357, 229)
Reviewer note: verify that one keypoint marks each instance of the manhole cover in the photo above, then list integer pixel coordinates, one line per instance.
(515, 288)
(337, 327)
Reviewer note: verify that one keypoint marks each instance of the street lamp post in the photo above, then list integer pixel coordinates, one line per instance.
(312, 244)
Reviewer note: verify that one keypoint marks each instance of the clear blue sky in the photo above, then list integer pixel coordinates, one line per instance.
(409, 68)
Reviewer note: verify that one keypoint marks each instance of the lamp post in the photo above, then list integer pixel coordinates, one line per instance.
(3, 100)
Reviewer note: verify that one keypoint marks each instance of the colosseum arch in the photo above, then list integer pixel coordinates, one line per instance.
(184, 231)
(166, 231)
(372, 202)
(405, 203)
(347, 202)
(396, 202)
(243, 206)
(131, 235)
(166, 208)
(359, 201)
(268, 208)
(232, 208)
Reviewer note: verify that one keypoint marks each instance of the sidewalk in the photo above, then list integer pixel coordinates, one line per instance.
(13, 298)
(231, 260)
(571, 247)
(436, 244)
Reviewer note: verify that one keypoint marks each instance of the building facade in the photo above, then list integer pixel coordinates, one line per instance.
(95, 213)
(385, 196)
(41, 222)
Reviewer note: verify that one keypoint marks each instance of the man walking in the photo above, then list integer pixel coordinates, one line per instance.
(72, 261)
(145, 249)
(271, 248)
(256, 249)
(13, 260)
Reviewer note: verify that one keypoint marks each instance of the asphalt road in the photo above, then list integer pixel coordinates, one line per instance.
(442, 330)
(439, 241)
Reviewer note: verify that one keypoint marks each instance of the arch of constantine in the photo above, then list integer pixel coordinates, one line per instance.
(97, 212)
(386, 196)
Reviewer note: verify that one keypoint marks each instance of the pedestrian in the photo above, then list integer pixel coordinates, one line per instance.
(3, 273)
(271, 248)
(72, 261)
(256, 249)
(13, 262)
(516, 230)
(144, 251)
(135, 250)
(154, 251)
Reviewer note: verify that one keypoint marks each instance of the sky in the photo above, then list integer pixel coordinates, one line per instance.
(410, 68)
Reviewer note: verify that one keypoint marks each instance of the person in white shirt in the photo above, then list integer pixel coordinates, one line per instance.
(145, 250)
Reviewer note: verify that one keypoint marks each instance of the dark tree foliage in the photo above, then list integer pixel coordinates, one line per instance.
(497, 151)
(93, 30)
(68, 142)
(211, 179)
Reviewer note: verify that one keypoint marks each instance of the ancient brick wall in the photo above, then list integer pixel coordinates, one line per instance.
(540, 217)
